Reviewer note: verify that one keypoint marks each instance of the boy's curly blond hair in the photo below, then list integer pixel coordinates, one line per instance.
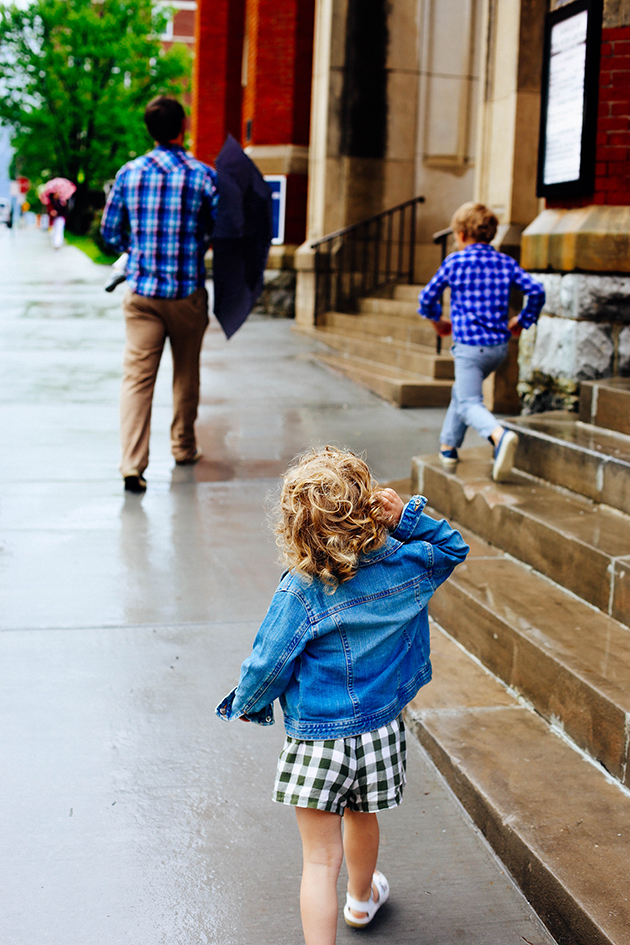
(475, 221)
(329, 515)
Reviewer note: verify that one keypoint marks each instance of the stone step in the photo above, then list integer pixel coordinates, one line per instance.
(414, 359)
(398, 387)
(586, 459)
(413, 331)
(582, 546)
(571, 662)
(397, 308)
(407, 293)
(401, 307)
(606, 403)
(556, 821)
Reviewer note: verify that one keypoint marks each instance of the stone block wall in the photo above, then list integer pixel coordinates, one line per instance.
(583, 333)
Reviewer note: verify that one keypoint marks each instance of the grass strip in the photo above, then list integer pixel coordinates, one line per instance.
(87, 245)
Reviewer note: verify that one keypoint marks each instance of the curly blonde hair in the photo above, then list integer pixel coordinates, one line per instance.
(329, 515)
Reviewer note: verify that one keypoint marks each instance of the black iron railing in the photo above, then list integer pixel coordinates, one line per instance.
(441, 238)
(366, 256)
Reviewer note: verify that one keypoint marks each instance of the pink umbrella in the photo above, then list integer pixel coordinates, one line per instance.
(58, 185)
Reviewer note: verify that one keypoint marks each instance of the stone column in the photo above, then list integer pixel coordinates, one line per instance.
(449, 78)
(510, 114)
(509, 118)
(363, 120)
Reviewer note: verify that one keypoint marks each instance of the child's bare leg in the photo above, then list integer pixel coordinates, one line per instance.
(496, 434)
(322, 854)
(360, 845)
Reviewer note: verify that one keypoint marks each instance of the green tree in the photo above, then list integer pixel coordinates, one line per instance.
(75, 76)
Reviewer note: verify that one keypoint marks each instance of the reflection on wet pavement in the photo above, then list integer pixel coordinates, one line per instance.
(129, 813)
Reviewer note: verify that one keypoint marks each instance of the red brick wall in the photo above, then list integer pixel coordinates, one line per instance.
(277, 98)
(217, 91)
(612, 168)
(184, 23)
(612, 154)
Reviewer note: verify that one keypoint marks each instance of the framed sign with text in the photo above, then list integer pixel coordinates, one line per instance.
(278, 184)
(568, 113)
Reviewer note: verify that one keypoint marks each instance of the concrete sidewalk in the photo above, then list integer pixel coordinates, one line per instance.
(128, 812)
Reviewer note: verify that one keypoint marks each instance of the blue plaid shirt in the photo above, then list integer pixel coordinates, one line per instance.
(480, 279)
(160, 210)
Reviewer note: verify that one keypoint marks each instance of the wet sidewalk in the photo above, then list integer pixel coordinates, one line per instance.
(128, 812)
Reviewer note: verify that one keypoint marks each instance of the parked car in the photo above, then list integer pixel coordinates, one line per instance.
(6, 211)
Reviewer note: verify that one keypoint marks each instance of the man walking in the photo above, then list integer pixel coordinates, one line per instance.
(160, 210)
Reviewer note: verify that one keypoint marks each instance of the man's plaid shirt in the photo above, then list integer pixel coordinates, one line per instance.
(160, 210)
(480, 279)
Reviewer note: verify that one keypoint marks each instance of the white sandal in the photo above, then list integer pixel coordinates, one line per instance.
(370, 907)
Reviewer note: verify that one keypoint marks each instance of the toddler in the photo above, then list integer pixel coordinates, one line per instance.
(480, 279)
(345, 647)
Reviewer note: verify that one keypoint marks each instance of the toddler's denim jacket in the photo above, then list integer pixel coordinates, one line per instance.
(348, 662)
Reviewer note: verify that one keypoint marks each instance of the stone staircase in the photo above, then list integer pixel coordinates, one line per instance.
(528, 716)
(388, 348)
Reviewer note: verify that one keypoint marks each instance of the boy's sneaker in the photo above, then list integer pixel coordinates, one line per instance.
(504, 456)
(449, 458)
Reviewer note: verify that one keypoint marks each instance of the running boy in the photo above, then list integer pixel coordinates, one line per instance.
(480, 279)
(345, 647)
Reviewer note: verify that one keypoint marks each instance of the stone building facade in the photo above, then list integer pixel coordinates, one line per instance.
(460, 87)
(364, 104)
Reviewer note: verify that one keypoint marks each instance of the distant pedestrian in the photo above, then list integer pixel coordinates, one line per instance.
(345, 647)
(480, 279)
(161, 210)
(58, 212)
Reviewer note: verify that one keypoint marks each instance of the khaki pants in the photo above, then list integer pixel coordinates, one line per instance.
(148, 321)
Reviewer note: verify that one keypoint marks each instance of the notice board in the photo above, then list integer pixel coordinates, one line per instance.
(568, 116)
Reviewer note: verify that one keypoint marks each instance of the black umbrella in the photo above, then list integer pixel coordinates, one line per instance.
(241, 237)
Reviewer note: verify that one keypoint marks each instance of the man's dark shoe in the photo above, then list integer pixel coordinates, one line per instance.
(191, 460)
(135, 484)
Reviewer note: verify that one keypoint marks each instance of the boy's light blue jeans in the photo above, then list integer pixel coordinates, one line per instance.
(473, 364)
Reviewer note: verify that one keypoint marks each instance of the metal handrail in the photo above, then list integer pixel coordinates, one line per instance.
(366, 256)
(441, 239)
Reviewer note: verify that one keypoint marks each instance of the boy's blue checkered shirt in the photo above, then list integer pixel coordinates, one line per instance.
(160, 210)
(480, 279)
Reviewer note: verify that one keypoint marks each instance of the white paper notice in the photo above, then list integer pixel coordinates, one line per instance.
(565, 100)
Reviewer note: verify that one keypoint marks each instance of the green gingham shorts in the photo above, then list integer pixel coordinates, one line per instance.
(364, 773)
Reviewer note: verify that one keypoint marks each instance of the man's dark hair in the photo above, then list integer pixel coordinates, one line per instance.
(163, 117)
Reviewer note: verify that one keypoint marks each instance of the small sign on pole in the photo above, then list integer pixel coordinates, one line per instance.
(278, 184)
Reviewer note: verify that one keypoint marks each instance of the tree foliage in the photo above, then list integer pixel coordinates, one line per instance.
(75, 76)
